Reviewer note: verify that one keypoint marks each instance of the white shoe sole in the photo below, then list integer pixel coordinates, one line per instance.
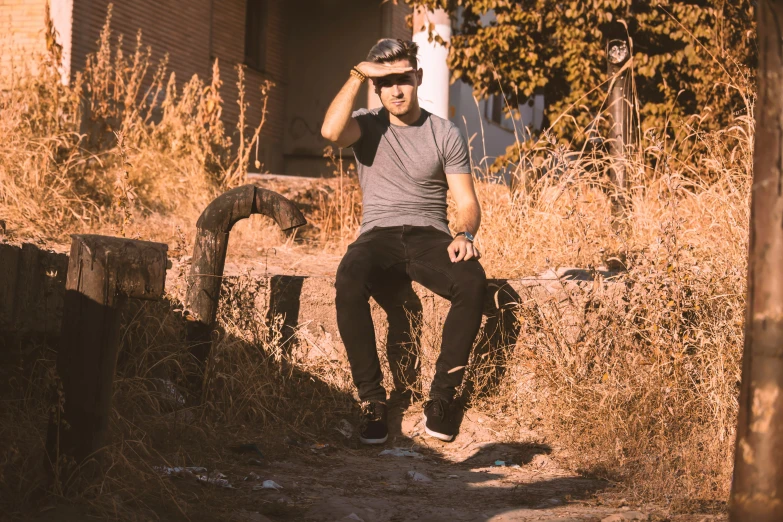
(373, 441)
(439, 436)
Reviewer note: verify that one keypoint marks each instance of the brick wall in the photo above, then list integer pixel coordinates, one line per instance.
(194, 34)
(228, 47)
(21, 31)
(165, 27)
(393, 22)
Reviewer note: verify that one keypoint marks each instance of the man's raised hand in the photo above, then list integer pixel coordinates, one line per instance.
(379, 70)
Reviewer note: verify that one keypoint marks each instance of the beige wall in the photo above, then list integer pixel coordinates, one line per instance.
(21, 32)
(61, 12)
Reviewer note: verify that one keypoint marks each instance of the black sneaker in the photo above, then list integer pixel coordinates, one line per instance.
(439, 420)
(373, 427)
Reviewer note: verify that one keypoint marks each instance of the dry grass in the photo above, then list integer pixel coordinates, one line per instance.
(63, 169)
(643, 393)
(645, 390)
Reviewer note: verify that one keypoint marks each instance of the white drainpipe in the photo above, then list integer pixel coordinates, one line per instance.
(434, 90)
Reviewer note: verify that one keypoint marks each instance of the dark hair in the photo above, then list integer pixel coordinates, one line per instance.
(391, 50)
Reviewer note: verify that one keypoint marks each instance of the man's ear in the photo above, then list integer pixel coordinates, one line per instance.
(419, 76)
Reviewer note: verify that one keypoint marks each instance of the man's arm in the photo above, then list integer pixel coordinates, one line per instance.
(468, 216)
(338, 126)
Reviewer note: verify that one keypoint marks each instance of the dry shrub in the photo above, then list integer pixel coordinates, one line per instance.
(334, 208)
(645, 390)
(254, 390)
(63, 170)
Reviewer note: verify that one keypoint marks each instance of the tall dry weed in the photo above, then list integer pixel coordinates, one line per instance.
(61, 161)
(645, 390)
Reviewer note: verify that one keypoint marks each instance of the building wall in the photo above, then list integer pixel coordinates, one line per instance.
(228, 47)
(194, 35)
(165, 27)
(311, 46)
(21, 32)
(327, 38)
(61, 12)
(393, 24)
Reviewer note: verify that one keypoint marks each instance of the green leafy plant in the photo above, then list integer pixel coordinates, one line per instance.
(686, 54)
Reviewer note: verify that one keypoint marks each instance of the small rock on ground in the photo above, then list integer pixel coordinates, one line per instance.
(540, 461)
(418, 477)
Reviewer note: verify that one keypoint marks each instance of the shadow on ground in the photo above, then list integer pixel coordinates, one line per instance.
(254, 397)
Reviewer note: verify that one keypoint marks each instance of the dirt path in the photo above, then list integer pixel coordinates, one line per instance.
(477, 478)
(438, 482)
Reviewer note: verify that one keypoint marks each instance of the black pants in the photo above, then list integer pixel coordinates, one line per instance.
(399, 254)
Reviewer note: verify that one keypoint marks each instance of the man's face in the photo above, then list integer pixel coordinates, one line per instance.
(398, 92)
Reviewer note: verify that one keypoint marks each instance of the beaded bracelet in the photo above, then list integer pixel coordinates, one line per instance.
(356, 73)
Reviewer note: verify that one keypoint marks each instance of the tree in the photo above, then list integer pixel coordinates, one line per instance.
(687, 55)
(757, 488)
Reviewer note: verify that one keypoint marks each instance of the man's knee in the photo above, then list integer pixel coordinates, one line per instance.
(470, 281)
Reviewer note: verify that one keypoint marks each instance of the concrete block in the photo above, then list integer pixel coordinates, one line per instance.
(307, 304)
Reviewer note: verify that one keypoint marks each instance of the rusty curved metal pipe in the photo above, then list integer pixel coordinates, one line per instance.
(209, 258)
(241, 202)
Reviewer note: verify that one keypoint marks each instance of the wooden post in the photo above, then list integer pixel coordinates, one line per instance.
(102, 273)
(618, 53)
(209, 259)
(757, 487)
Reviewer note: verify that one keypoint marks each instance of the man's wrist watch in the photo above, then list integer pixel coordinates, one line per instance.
(467, 235)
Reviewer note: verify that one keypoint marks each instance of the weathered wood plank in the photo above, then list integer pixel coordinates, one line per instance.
(102, 273)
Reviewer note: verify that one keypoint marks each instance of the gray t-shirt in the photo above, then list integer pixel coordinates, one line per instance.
(402, 169)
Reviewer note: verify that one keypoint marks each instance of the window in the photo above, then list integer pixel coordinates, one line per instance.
(255, 34)
(497, 109)
(494, 112)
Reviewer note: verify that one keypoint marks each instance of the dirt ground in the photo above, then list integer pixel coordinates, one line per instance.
(480, 476)
(475, 478)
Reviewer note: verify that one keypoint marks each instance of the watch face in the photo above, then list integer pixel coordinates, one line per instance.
(469, 236)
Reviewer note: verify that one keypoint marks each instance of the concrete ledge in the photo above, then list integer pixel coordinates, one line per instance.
(306, 305)
(32, 286)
